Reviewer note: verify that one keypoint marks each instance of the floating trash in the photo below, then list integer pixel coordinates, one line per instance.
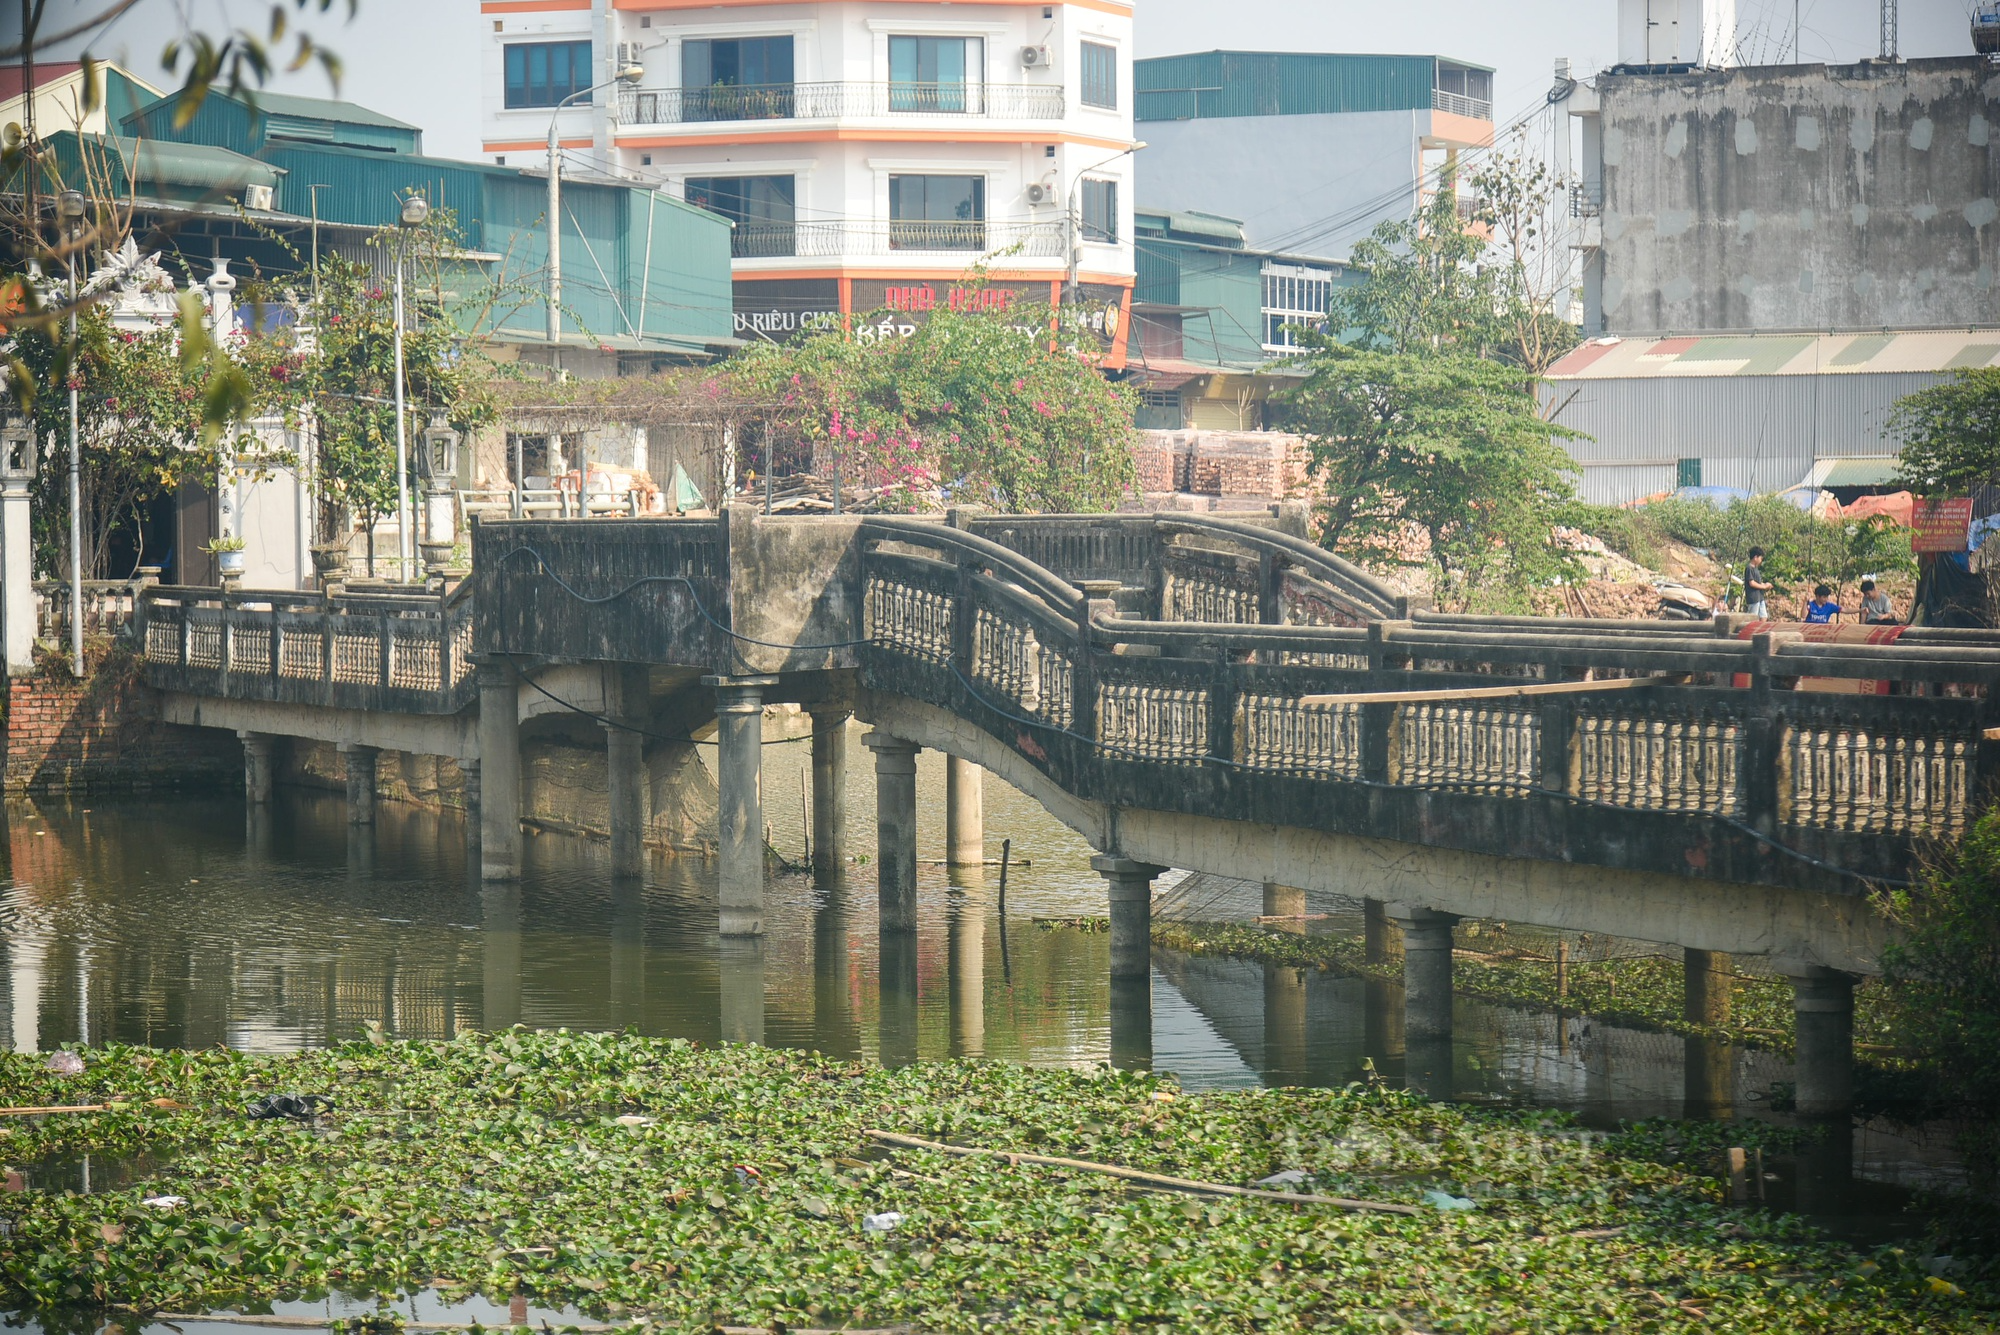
(881, 1223)
(65, 1063)
(1444, 1200)
(1291, 1177)
(165, 1202)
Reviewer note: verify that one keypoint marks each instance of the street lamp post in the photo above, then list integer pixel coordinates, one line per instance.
(629, 74)
(415, 210)
(1076, 222)
(70, 206)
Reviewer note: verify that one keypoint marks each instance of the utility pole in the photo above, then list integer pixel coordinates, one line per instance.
(1889, 25)
(629, 74)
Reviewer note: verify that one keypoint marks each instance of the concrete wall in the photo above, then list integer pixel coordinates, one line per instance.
(1800, 197)
(1287, 177)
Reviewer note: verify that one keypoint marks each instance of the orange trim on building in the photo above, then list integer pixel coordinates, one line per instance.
(741, 140)
(1456, 131)
(534, 145)
(657, 6)
(847, 275)
(528, 6)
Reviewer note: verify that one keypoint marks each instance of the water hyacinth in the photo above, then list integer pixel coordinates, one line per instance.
(647, 1179)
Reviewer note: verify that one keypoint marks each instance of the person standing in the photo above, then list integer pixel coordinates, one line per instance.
(1756, 588)
(1876, 609)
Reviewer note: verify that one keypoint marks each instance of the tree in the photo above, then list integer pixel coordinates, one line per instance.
(1425, 290)
(1517, 197)
(1950, 434)
(977, 404)
(1444, 448)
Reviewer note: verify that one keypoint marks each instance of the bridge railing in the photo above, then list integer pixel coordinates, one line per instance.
(1662, 749)
(405, 652)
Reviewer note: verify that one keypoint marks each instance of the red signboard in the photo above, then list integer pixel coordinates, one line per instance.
(1942, 525)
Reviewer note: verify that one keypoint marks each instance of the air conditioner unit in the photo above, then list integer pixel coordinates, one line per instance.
(630, 54)
(1041, 192)
(1035, 57)
(257, 197)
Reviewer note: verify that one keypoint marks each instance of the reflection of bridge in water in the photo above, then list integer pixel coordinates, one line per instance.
(1197, 693)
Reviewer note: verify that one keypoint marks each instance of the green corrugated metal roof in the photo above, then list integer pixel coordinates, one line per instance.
(1282, 83)
(326, 109)
(1193, 223)
(1975, 355)
(166, 171)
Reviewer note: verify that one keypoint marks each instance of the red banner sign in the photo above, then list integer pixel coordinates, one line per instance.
(1942, 525)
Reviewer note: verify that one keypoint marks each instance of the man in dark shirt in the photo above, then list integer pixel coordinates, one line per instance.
(1755, 586)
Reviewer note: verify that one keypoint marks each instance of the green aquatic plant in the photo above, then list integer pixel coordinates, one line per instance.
(654, 1181)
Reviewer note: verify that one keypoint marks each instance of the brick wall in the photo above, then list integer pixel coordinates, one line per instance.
(104, 732)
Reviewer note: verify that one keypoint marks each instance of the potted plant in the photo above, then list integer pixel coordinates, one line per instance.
(228, 554)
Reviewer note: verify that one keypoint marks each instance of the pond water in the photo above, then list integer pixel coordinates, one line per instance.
(180, 921)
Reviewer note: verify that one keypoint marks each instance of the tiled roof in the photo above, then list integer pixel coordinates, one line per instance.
(1779, 354)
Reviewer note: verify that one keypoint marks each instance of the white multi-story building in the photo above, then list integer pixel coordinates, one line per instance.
(871, 152)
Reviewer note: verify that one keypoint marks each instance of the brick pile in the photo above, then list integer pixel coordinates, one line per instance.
(104, 732)
(1227, 465)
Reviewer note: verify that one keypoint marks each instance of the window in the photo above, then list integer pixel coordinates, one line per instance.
(1294, 296)
(937, 213)
(935, 73)
(1100, 75)
(738, 79)
(1687, 473)
(1100, 211)
(541, 74)
(762, 207)
(1160, 410)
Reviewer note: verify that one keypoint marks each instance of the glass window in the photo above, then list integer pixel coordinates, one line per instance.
(934, 73)
(541, 74)
(1100, 210)
(937, 212)
(1294, 297)
(739, 78)
(762, 207)
(1100, 75)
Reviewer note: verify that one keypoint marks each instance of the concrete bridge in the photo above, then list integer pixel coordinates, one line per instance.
(1219, 695)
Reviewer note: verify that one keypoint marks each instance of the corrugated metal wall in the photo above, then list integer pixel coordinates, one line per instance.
(1252, 83)
(1762, 433)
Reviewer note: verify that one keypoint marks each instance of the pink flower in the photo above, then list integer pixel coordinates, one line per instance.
(1044, 409)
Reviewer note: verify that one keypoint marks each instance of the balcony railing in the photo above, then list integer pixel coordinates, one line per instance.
(837, 101)
(1458, 104)
(835, 239)
(1586, 200)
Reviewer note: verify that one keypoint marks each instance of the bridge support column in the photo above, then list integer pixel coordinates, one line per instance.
(1131, 886)
(499, 773)
(964, 813)
(739, 712)
(1707, 986)
(625, 768)
(1375, 932)
(1823, 1002)
(829, 793)
(257, 777)
(360, 782)
(1287, 902)
(1426, 971)
(741, 963)
(895, 830)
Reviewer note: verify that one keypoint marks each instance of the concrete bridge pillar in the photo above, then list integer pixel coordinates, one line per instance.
(964, 813)
(625, 767)
(1376, 945)
(1823, 1003)
(1426, 970)
(257, 776)
(829, 793)
(896, 1032)
(499, 772)
(895, 830)
(1131, 887)
(360, 782)
(741, 964)
(1287, 902)
(1708, 1065)
(739, 711)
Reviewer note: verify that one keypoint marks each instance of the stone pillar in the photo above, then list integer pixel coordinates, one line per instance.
(500, 965)
(257, 777)
(1426, 971)
(625, 767)
(1708, 979)
(1131, 887)
(469, 774)
(17, 586)
(360, 782)
(964, 813)
(499, 772)
(1287, 902)
(895, 830)
(829, 793)
(967, 950)
(1132, 1023)
(1377, 946)
(739, 712)
(1708, 1077)
(1823, 1001)
(742, 993)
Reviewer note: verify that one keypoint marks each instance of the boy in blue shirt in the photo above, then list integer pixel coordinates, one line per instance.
(1822, 610)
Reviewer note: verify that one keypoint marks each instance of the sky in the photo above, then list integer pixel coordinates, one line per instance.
(399, 54)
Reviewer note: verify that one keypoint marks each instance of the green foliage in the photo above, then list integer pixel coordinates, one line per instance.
(1800, 550)
(1625, 531)
(1444, 446)
(1426, 290)
(1943, 976)
(992, 407)
(603, 1170)
(1950, 434)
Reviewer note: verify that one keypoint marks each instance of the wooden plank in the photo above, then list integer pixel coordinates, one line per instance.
(1486, 692)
